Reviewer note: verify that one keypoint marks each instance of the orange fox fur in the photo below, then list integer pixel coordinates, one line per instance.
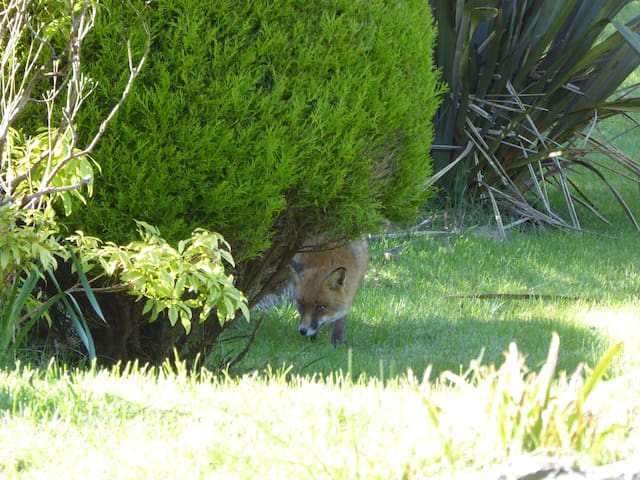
(326, 279)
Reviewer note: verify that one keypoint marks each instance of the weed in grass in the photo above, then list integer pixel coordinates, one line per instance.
(518, 412)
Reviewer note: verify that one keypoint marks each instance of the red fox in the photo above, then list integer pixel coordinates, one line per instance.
(326, 279)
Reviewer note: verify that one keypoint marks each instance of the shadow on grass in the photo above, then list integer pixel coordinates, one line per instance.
(377, 350)
(403, 316)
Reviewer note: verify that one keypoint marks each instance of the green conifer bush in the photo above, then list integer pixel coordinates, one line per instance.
(266, 121)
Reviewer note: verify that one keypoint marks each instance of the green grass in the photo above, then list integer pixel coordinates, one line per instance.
(153, 424)
(157, 425)
(383, 405)
(296, 409)
(405, 316)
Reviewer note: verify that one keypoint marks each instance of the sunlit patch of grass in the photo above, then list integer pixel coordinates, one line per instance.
(140, 423)
(510, 410)
(619, 323)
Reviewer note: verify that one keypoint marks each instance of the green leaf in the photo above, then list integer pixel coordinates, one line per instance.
(87, 287)
(25, 291)
(173, 314)
(148, 305)
(180, 284)
(244, 309)
(5, 258)
(186, 323)
(600, 369)
(632, 38)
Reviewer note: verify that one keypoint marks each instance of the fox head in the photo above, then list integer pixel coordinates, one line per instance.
(320, 297)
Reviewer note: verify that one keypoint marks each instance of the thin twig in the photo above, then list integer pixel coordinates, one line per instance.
(243, 353)
(411, 233)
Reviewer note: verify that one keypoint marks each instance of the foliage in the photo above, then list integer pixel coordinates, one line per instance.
(529, 82)
(524, 412)
(25, 237)
(264, 121)
(40, 44)
(43, 166)
(29, 253)
(191, 277)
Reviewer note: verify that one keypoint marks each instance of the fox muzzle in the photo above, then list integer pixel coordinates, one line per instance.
(306, 332)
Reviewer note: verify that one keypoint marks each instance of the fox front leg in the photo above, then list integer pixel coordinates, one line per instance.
(336, 330)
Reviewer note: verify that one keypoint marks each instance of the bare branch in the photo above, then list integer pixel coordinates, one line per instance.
(53, 190)
(134, 71)
(69, 87)
(28, 200)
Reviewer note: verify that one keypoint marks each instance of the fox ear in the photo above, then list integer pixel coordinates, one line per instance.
(337, 277)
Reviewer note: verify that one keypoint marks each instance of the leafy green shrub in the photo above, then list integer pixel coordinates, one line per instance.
(45, 165)
(261, 115)
(264, 121)
(150, 268)
(525, 79)
(41, 161)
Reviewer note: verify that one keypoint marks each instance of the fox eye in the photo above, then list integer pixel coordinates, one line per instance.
(320, 308)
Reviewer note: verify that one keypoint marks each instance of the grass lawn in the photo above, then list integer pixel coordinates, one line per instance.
(296, 409)
(412, 312)
(404, 398)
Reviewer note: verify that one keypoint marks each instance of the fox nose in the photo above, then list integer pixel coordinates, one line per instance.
(302, 331)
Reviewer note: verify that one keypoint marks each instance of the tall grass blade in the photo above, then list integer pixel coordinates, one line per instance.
(548, 370)
(76, 317)
(600, 369)
(87, 287)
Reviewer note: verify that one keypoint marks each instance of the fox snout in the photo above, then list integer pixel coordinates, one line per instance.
(306, 332)
(307, 327)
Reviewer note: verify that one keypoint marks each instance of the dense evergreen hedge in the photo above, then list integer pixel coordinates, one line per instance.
(263, 120)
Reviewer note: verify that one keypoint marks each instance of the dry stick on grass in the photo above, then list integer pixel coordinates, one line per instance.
(516, 296)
